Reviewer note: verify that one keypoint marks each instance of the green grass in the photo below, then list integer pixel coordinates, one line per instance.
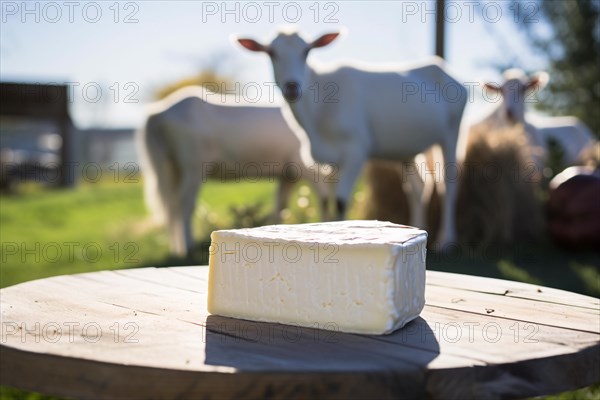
(105, 226)
(56, 232)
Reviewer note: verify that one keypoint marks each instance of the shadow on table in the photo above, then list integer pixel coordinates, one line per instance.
(258, 346)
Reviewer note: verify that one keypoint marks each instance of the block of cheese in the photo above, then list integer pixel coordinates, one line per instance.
(351, 276)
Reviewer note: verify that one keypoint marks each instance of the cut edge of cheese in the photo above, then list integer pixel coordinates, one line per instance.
(352, 282)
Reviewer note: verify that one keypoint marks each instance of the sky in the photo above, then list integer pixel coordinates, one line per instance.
(115, 55)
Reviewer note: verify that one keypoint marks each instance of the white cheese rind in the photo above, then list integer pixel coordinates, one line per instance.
(352, 276)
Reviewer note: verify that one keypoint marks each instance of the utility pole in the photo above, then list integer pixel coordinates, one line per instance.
(439, 28)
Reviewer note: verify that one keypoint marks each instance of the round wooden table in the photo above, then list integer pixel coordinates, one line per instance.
(145, 333)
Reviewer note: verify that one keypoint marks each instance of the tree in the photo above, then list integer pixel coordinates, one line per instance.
(572, 47)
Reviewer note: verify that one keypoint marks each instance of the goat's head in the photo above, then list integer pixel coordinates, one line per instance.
(515, 90)
(288, 52)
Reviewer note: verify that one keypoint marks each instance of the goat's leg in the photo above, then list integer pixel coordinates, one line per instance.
(174, 218)
(282, 198)
(323, 189)
(176, 230)
(349, 170)
(319, 180)
(449, 177)
(188, 192)
(414, 188)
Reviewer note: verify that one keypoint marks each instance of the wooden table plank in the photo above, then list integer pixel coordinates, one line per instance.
(511, 289)
(169, 277)
(155, 329)
(526, 310)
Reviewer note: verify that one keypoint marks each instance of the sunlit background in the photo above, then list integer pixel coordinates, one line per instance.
(117, 57)
(154, 43)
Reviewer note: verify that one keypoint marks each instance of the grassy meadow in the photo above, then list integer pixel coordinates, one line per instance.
(46, 232)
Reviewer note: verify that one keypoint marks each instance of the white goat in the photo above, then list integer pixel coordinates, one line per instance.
(188, 138)
(349, 114)
(568, 132)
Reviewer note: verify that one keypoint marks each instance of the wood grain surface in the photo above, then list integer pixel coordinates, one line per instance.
(145, 333)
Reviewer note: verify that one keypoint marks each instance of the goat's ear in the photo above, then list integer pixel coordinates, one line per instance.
(324, 40)
(492, 87)
(538, 81)
(251, 44)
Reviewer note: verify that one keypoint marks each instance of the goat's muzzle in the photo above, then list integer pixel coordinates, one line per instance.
(291, 91)
(511, 116)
